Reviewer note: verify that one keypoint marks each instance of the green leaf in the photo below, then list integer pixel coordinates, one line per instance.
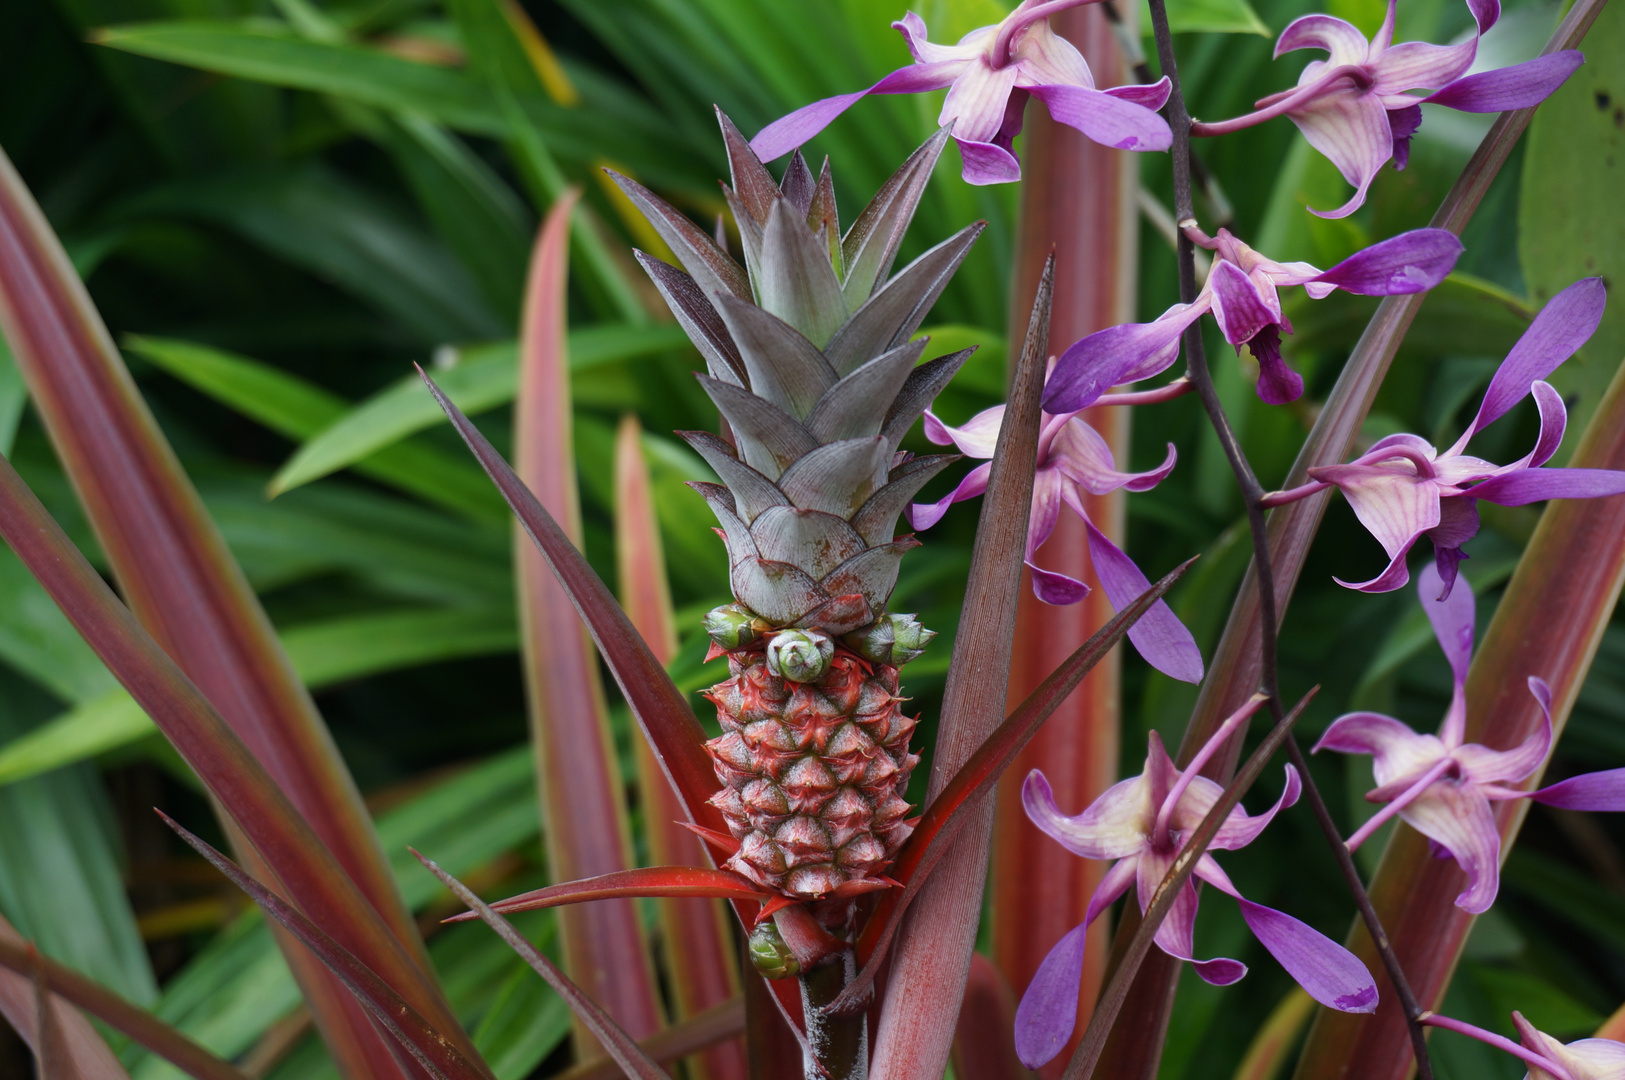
(484, 378)
(13, 396)
(37, 639)
(1571, 223)
(60, 881)
(473, 209)
(1462, 316)
(298, 409)
(522, 1026)
(1208, 16)
(319, 220)
(323, 653)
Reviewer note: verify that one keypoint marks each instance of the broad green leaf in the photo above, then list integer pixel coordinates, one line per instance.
(1571, 221)
(318, 219)
(13, 396)
(60, 881)
(298, 409)
(1463, 316)
(1208, 16)
(37, 639)
(522, 1026)
(323, 653)
(473, 209)
(483, 379)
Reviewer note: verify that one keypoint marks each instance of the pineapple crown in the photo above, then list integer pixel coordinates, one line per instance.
(809, 360)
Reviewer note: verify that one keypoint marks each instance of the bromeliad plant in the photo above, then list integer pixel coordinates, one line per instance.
(857, 907)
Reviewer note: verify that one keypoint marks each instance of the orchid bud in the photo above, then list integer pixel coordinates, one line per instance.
(800, 655)
(890, 639)
(769, 954)
(732, 626)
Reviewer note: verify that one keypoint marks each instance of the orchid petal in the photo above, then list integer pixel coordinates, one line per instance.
(1395, 507)
(1237, 304)
(1482, 765)
(1159, 636)
(1342, 40)
(1590, 791)
(976, 437)
(1520, 86)
(925, 515)
(1045, 58)
(1091, 366)
(1566, 322)
(1107, 119)
(1278, 384)
(984, 163)
(1080, 452)
(1459, 817)
(1416, 64)
(1350, 127)
(1151, 95)
(1398, 753)
(1485, 12)
(1452, 618)
(788, 132)
(1176, 935)
(912, 27)
(977, 100)
(1411, 262)
(1113, 827)
(1045, 509)
(1055, 588)
(1239, 828)
(1402, 125)
(1049, 1009)
(1113, 885)
(1537, 485)
(1328, 972)
(1554, 420)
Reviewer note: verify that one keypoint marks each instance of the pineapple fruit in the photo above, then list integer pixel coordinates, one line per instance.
(811, 365)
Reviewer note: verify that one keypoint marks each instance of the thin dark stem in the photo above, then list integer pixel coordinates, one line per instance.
(1252, 492)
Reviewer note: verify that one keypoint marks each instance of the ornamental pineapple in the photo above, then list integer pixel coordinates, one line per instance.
(811, 365)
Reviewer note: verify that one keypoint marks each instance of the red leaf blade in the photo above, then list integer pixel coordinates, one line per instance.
(643, 881)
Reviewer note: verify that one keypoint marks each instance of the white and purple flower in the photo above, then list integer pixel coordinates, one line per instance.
(1441, 785)
(1242, 293)
(1358, 107)
(989, 75)
(1142, 823)
(1072, 458)
(1403, 489)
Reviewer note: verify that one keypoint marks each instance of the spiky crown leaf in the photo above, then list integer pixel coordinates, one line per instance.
(809, 360)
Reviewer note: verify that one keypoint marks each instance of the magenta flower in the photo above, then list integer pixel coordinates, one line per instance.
(1441, 786)
(1547, 1058)
(1142, 823)
(1072, 458)
(1241, 292)
(1356, 107)
(1403, 489)
(989, 76)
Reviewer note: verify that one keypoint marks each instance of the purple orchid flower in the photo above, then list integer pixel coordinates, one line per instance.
(1355, 106)
(1072, 458)
(1241, 292)
(1403, 489)
(1142, 823)
(1547, 1058)
(1442, 786)
(989, 76)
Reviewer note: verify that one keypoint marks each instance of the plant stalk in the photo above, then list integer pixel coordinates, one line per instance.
(1253, 495)
(841, 1043)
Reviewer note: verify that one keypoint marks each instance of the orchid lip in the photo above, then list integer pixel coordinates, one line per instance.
(1399, 802)
(1000, 55)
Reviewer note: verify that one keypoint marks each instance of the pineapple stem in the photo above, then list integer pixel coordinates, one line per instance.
(839, 1043)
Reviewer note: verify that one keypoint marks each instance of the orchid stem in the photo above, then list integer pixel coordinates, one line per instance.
(1489, 1038)
(1179, 120)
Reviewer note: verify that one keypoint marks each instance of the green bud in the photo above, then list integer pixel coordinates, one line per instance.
(890, 639)
(769, 954)
(732, 626)
(800, 655)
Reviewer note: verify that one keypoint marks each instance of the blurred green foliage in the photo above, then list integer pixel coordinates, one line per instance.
(280, 205)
